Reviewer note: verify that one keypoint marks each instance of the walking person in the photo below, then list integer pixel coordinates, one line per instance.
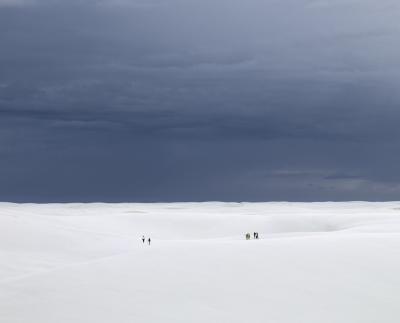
(143, 239)
(149, 241)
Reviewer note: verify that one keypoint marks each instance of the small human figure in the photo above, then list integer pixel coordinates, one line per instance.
(143, 239)
(255, 235)
(149, 241)
(247, 236)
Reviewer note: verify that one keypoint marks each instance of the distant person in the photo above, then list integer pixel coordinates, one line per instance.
(247, 236)
(143, 239)
(255, 235)
(149, 241)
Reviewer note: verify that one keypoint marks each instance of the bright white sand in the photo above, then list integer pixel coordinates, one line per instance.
(314, 263)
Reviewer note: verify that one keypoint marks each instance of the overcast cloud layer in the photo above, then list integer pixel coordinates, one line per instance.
(178, 100)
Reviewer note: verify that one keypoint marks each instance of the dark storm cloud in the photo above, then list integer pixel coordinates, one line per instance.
(197, 100)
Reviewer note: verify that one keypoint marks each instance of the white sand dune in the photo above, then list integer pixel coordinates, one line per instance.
(314, 263)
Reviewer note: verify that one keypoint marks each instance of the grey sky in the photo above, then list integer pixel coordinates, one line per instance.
(177, 100)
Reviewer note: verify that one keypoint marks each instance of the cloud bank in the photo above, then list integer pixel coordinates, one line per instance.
(198, 100)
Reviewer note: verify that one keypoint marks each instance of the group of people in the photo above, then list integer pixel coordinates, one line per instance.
(248, 235)
(148, 240)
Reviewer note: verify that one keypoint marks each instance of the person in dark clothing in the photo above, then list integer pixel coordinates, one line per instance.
(149, 241)
(143, 239)
(255, 235)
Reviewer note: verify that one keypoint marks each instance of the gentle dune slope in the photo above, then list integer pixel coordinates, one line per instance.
(314, 263)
